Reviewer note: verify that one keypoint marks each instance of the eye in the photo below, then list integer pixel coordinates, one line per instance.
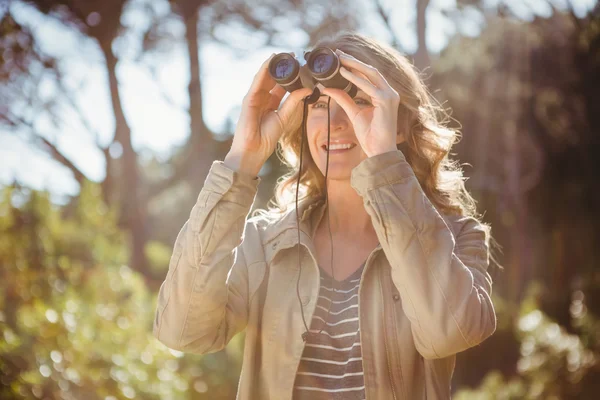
(358, 100)
(319, 104)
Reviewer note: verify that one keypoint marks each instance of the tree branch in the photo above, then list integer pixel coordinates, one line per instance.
(56, 154)
(386, 19)
(161, 90)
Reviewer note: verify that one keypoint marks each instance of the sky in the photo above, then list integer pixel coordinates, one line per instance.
(158, 126)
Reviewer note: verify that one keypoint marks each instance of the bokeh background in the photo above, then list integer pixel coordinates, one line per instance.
(111, 112)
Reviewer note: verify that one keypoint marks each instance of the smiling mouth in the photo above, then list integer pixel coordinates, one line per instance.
(338, 147)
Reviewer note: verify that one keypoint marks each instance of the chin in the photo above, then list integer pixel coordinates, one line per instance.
(337, 170)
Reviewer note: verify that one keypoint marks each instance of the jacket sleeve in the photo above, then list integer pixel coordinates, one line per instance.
(442, 279)
(201, 305)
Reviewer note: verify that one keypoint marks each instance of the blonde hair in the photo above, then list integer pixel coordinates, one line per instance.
(420, 118)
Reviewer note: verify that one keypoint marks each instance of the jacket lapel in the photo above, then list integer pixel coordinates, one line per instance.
(283, 233)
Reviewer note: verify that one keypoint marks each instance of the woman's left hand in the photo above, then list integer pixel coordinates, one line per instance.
(375, 127)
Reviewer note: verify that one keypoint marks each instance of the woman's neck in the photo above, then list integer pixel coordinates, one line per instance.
(348, 216)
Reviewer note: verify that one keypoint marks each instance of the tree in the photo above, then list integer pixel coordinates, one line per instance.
(526, 97)
(126, 182)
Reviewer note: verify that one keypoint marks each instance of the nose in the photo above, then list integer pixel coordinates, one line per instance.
(339, 118)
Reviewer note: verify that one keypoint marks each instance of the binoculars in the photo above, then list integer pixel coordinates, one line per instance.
(322, 68)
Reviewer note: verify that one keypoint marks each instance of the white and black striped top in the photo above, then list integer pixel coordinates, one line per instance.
(331, 364)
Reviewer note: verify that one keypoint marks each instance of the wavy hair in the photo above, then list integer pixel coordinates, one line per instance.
(420, 118)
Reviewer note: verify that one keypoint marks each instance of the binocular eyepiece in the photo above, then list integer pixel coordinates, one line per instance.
(322, 67)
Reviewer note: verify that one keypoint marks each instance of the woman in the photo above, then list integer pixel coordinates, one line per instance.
(408, 287)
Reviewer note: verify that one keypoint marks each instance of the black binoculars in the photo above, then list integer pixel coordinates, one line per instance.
(322, 67)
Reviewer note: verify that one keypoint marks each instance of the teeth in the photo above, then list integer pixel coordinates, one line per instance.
(340, 146)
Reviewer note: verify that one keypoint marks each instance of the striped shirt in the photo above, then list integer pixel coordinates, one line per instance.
(331, 364)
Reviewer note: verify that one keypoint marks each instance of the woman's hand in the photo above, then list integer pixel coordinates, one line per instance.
(261, 122)
(375, 127)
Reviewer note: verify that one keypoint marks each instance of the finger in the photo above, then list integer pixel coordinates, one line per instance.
(277, 94)
(361, 83)
(291, 103)
(369, 71)
(262, 81)
(344, 101)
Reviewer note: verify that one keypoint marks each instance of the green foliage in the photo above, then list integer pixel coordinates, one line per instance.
(76, 322)
(554, 363)
(158, 254)
(526, 96)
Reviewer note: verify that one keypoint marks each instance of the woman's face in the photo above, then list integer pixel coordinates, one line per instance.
(341, 160)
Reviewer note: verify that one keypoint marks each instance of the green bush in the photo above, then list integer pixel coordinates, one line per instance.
(76, 321)
(554, 363)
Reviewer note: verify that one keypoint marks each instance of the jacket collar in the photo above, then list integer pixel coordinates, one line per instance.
(283, 232)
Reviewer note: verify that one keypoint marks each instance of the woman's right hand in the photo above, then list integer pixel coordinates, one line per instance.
(262, 122)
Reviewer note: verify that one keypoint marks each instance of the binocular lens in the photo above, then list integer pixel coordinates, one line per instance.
(322, 63)
(284, 68)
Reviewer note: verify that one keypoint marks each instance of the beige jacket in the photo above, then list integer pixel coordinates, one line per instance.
(424, 294)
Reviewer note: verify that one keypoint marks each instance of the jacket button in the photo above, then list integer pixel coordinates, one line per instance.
(396, 297)
(274, 246)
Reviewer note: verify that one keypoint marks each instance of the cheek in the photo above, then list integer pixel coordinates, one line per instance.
(314, 126)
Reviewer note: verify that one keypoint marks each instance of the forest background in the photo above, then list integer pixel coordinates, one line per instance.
(112, 111)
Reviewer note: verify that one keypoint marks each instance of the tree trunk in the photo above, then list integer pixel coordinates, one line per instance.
(201, 147)
(422, 60)
(107, 184)
(132, 202)
(199, 133)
